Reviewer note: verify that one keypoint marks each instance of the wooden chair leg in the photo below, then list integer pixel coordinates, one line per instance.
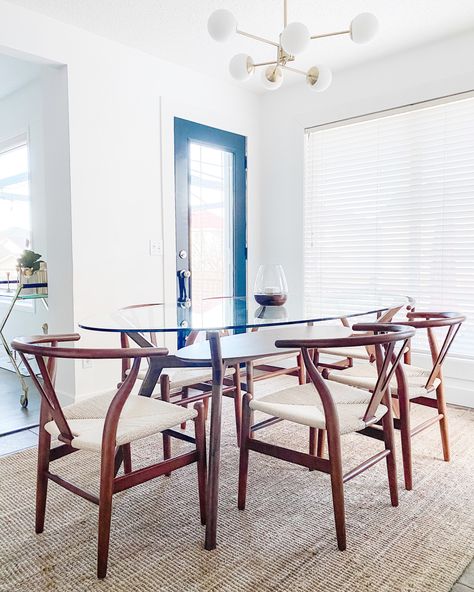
(44, 444)
(105, 507)
(200, 433)
(245, 435)
(165, 396)
(389, 439)
(313, 441)
(405, 433)
(443, 423)
(337, 487)
(321, 437)
(237, 402)
(127, 458)
(184, 395)
(206, 408)
(301, 370)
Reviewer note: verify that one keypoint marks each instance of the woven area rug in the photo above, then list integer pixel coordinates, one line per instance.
(284, 541)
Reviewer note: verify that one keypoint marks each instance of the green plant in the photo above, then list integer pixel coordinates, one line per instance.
(29, 260)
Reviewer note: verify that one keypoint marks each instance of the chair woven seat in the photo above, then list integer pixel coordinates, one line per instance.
(302, 404)
(272, 360)
(140, 417)
(183, 377)
(357, 353)
(364, 376)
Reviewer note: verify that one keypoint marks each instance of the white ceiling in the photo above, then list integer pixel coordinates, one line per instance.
(176, 29)
(14, 74)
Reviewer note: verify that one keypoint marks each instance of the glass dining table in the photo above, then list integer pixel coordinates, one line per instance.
(244, 317)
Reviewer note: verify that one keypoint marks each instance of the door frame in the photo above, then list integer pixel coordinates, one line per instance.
(184, 131)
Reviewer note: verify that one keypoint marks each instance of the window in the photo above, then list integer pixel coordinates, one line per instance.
(210, 220)
(389, 208)
(15, 216)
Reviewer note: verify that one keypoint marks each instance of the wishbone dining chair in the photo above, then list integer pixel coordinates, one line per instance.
(106, 424)
(346, 356)
(333, 407)
(175, 384)
(421, 386)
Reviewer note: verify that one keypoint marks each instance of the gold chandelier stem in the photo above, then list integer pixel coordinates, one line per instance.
(285, 12)
(330, 34)
(257, 38)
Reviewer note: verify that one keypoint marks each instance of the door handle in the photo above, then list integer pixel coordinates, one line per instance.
(183, 298)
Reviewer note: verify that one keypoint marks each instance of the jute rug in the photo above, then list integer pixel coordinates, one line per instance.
(284, 541)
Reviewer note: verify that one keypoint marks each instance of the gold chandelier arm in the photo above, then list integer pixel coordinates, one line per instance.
(257, 38)
(330, 34)
(273, 62)
(293, 69)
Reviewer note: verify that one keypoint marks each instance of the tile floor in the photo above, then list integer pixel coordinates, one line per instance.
(12, 415)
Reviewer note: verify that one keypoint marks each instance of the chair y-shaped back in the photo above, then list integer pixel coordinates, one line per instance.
(431, 321)
(347, 356)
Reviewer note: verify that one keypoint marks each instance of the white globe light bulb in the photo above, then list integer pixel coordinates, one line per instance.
(364, 27)
(222, 25)
(272, 77)
(241, 66)
(295, 38)
(319, 78)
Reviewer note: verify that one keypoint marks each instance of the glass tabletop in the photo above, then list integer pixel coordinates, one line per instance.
(215, 314)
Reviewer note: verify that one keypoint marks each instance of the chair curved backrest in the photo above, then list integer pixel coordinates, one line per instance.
(430, 321)
(383, 336)
(46, 351)
(384, 317)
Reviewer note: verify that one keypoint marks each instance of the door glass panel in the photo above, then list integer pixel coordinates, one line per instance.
(211, 191)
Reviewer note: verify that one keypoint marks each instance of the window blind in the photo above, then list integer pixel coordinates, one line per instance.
(389, 208)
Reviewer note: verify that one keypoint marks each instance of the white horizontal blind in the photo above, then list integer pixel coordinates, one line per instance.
(389, 208)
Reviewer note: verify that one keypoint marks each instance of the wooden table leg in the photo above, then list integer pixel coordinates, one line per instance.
(155, 366)
(215, 440)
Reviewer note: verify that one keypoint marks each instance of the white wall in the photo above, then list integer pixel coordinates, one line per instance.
(121, 160)
(39, 110)
(425, 73)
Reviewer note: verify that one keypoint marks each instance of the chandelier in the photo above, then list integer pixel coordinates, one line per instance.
(294, 39)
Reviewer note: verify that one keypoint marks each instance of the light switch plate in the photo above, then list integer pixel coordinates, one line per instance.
(156, 248)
